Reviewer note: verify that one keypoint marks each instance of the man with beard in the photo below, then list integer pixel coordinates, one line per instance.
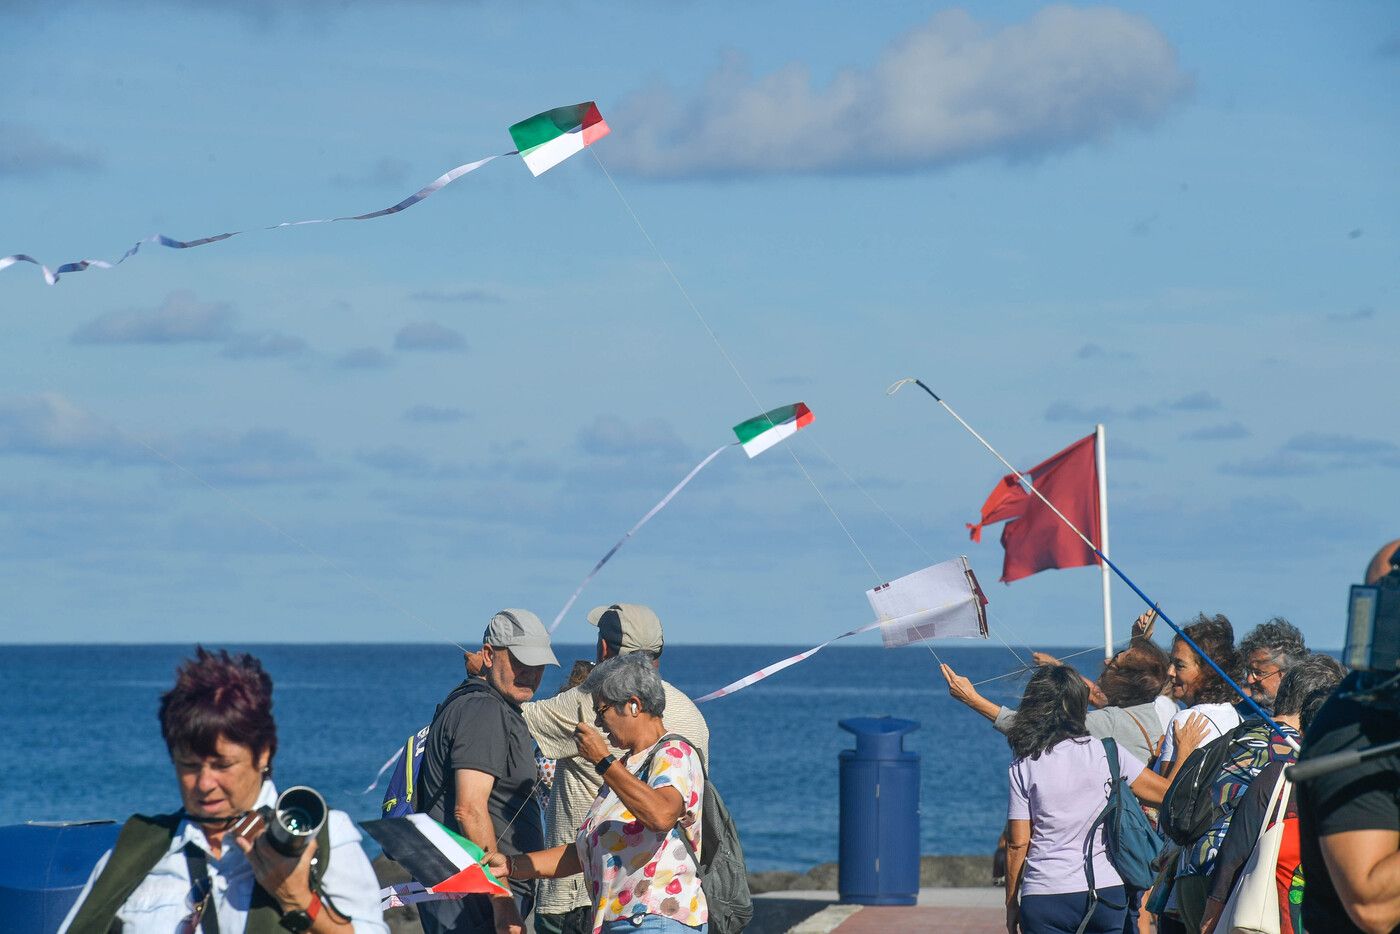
(478, 772)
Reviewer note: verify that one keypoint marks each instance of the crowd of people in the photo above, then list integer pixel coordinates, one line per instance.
(588, 804)
(1239, 835)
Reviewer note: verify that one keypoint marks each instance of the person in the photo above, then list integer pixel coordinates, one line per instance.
(545, 765)
(1268, 651)
(1349, 819)
(1129, 686)
(1198, 686)
(638, 846)
(1300, 696)
(564, 906)
(1059, 785)
(167, 870)
(479, 771)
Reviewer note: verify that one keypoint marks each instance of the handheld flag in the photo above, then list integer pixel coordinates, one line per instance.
(547, 139)
(1034, 538)
(761, 432)
(443, 864)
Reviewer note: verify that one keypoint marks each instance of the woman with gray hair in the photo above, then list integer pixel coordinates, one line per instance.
(639, 846)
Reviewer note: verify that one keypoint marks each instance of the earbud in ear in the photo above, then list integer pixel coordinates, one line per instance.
(635, 710)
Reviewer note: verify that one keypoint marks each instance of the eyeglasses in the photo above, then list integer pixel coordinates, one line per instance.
(1260, 675)
(598, 713)
(198, 902)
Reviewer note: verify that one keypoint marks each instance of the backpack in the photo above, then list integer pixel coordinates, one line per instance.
(402, 795)
(1189, 806)
(724, 877)
(1132, 843)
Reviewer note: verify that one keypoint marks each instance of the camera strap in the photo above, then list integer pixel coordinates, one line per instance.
(201, 889)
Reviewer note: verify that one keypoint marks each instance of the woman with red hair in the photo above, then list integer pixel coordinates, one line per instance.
(191, 871)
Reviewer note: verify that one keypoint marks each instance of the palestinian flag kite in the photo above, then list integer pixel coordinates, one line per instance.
(544, 141)
(442, 863)
(760, 433)
(547, 139)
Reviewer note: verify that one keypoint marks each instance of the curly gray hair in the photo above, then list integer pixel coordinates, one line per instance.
(1280, 638)
(622, 677)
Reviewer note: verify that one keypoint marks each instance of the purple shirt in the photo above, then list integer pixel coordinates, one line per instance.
(1062, 794)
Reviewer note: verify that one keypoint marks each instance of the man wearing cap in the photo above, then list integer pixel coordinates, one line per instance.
(563, 905)
(479, 768)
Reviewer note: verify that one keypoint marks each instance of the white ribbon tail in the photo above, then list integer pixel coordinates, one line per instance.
(382, 769)
(51, 276)
(568, 605)
(757, 676)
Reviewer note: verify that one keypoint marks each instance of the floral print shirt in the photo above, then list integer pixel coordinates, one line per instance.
(630, 870)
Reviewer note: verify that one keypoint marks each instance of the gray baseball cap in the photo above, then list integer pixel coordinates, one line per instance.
(522, 632)
(630, 627)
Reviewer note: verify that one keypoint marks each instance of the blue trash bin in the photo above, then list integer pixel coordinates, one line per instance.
(43, 867)
(879, 843)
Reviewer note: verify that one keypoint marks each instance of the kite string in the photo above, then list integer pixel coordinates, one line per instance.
(914, 541)
(725, 353)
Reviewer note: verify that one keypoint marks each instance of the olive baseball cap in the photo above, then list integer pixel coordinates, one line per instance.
(522, 632)
(630, 627)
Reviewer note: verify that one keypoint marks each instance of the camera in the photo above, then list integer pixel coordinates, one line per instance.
(1373, 636)
(294, 821)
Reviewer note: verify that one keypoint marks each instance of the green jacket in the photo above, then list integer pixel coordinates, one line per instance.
(142, 843)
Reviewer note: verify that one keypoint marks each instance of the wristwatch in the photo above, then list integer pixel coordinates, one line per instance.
(605, 763)
(300, 920)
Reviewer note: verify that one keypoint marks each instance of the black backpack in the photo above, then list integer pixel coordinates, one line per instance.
(724, 877)
(1189, 807)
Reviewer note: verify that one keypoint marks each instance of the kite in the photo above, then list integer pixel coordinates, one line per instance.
(940, 601)
(761, 431)
(441, 863)
(543, 141)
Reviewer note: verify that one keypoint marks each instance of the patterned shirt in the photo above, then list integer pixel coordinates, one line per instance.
(1249, 754)
(631, 870)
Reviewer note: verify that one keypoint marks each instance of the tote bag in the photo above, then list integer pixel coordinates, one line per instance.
(1253, 904)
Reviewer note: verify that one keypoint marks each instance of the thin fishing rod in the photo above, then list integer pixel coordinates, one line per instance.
(1102, 557)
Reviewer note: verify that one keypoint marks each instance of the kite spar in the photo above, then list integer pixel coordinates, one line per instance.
(895, 387)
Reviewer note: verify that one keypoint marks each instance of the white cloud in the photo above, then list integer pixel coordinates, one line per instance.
(431, 336)
(948, 91)
(181, 318)
(50, 425)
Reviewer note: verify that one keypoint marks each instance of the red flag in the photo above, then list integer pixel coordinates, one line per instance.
(1035, 539)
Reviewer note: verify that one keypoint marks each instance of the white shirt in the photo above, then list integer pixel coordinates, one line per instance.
(161, 901)
(1220, 717)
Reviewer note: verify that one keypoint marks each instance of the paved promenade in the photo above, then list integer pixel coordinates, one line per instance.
(954, 911)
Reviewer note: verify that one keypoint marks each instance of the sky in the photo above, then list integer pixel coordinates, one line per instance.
(1179, 221)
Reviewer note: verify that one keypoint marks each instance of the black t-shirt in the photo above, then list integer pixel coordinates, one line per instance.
(482, 730)
(1362, 797)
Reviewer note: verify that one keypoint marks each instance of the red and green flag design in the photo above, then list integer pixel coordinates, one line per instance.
(444, 864)
(547, 139)
(761, 432)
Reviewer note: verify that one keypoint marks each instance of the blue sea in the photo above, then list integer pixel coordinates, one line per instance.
(81, 739)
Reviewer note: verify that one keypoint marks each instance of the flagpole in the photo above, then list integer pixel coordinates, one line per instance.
(1026, 484)
(1101, 456)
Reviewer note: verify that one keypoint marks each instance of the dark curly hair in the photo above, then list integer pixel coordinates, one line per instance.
(1052, 710)
(1216, 637)
(1136, 675)
(217, 694)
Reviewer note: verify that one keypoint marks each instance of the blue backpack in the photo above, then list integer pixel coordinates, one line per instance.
(402, 795)
(1132, 843)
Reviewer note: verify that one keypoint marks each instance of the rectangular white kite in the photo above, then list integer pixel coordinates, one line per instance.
(939, 602)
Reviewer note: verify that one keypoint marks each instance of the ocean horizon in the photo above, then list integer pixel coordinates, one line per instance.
(85, 743)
